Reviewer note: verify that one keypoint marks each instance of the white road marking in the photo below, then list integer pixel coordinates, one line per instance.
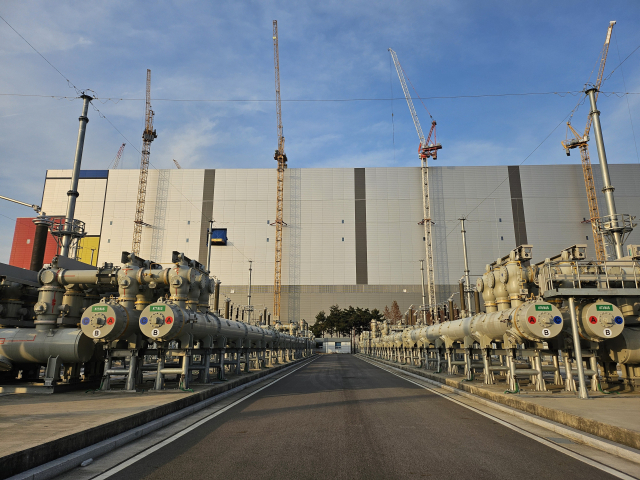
(174, 437)
(577, 456)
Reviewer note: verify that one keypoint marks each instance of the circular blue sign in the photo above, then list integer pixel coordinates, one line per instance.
(557, 320)
(85, 321)
(144, 320)
(618, 320)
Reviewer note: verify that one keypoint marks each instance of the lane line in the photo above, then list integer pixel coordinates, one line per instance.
(519, 430)
(158, 446)
(607, 446)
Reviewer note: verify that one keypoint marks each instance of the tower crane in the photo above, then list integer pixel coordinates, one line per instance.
(177, 164)
(147, 137)
(118, 156)
(426, 150)
(581, 142)
(281, 158)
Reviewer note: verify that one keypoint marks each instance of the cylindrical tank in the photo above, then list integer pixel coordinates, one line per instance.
(109, 321)
(165, 321)
(36, 346)
(533, 320)
(500, 291)
(625, 348)
(598, 321)
(256, 336)
(270, 337)
(485, 285)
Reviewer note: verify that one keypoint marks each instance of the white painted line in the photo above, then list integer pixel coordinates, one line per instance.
(577, 456)
(174, 437)
(578, 436)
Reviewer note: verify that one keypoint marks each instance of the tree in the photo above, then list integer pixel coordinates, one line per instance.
(319, 327)
(396, 315)
(345, 322)
(387, 313)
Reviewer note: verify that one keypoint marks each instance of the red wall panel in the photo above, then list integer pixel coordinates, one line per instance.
(23, 244)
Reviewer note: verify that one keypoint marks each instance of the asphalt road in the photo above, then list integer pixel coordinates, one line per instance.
(340, 417)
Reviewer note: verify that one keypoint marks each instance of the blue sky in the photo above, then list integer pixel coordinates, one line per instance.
(328, 51)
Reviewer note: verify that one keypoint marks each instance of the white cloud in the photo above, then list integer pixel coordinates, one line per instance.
(328, 50)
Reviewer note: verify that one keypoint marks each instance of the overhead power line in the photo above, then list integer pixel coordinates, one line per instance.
(505, 178)
(71, 85)
(318, 100)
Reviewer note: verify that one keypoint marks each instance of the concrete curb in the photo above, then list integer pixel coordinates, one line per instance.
(58, 456)
(608, 438)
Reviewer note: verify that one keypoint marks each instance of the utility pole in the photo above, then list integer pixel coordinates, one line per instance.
(249, 309)
(581, 141)
(467, 284)
(424, 297)
(67, 234)
(612, 225)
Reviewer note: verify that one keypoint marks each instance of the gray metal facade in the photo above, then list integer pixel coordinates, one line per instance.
(352, 235)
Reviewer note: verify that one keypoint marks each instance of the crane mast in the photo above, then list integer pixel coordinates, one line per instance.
(581, 142)
(118, 156)
(147, 137)
(426, 150)
(281, 158)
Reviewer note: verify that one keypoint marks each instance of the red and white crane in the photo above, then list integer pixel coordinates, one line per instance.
(427, 149)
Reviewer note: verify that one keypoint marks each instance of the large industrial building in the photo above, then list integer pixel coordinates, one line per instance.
(352, 236)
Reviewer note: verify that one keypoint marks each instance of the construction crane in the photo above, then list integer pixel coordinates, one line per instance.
(118, 157)
(581, 142)
(176, 162)
(426, 150)
(281, 158)
(147, 137)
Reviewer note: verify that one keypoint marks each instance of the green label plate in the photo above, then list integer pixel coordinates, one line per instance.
(604, 308)
(543, 308)
(157, 308)
(99, 308)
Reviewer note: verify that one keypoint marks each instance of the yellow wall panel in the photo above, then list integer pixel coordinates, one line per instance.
(88, 247)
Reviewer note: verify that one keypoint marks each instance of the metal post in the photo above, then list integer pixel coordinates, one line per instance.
(209, 233)
(216, 297)
(604, 168)
(75, 175)
(467, 285)
(39, 242)
(249, 296)
(424, 298)
(582, 389)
